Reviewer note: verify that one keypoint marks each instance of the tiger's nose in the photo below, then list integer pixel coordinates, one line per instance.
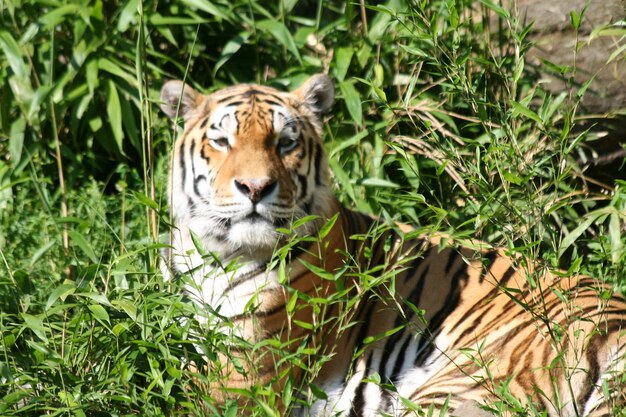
(255, 188)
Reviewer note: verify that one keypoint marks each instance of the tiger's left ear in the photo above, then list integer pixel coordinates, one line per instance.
(317, 92)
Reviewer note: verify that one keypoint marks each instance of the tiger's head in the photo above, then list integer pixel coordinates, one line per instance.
(250, 160)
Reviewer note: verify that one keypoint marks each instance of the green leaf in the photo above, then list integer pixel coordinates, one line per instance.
(35, 323)
(145, 200)
(324, 230)
(230, 49)
(128, 306)
(575, 234)
(280, 32)
(619, 51)
(62, 291)
(114, 111)
(521, 109)
(128, 15)
(512, 178)
(58, 15)
(13, 53)
(320, 272)
(346, 143)
(379, 26)
(615, 235)
(16, 140)
(318, 392)
(378, 92)
(363, 55)
(343, 57)
(91, 75)
(377, 182)
(497, 9)
(353, 101)
(97, 297)
(206, 6)
(575, 19)
(80, 241)
(99, 313)
(40, 95)
(413, 50)
(303, 324)
(115, 68)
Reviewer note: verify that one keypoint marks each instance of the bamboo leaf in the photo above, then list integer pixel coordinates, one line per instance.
(114, 112)
(13, 53)
(80, 241)
(230, 49)
(353, 101)
(16, 140)
(575, 234)
(62, 291)
(206, 6)
(343, 57)
(99, 313)
(523, 110)
(280, 32)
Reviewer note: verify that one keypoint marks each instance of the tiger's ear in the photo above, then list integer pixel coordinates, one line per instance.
(317, 92)
(174, 91)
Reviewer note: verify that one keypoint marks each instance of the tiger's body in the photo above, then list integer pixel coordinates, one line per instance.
(251, 161)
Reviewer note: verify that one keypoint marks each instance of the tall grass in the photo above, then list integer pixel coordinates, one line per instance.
(439, 122)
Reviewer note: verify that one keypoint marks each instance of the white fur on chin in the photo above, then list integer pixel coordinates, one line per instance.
(253, 235)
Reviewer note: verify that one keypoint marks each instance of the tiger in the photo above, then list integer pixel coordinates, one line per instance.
(449, 326)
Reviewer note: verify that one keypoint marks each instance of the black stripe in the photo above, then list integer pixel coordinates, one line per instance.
(318, 163)
(470, 328)
(192, 148)
(252, 91)
(365, 320)
(453, 256)
(415, 296)
(181, 154)
(592, 373)
(395, 374)
(307, 205)
(506, 277)
(489, 259)
(310, 154)
(221, 127)
(450, 304)
(196, 180)
(358, 403)
(235, 102)
(303, 184)
(268, 101)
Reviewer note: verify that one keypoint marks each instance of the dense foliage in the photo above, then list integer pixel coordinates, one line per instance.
(439, 122)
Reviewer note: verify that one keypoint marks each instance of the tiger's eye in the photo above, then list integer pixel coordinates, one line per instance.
(219, 143)
(285, 143)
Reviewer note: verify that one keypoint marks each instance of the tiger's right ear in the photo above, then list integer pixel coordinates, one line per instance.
(175, 91)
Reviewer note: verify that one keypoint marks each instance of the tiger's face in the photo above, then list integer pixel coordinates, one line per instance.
(250, 161)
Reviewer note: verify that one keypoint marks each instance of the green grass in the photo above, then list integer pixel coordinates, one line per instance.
(439, 122)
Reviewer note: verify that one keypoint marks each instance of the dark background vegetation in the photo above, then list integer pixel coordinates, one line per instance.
(440, 121)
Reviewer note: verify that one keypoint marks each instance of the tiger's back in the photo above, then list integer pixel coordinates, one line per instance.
(250, 162)
(490, 333)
